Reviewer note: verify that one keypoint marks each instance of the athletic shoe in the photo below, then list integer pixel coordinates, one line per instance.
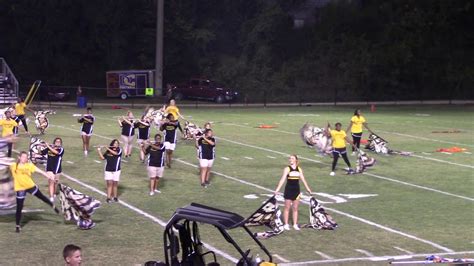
(17, 229)
(56, 210)
(157, 191)
(108, 200)
(116, 199)
(353, 153)
(286, 227)
(332, 174)
(85, 153)
(51, 199)
(296, 227)
(152, 193)
(350, 172)
(208, 183)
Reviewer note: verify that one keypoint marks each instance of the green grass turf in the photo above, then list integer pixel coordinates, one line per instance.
(124, 237)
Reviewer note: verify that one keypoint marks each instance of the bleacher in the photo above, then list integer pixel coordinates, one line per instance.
(8, 84)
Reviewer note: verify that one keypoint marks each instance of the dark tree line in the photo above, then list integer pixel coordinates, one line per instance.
(354, 50)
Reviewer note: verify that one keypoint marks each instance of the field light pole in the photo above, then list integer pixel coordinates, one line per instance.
(159, 48)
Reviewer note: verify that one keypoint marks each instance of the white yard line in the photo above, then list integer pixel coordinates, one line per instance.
(69, 162)
(442, 161)
(271, 157)
(147, 215)
(97, 161)
(382, 258)
(404, 250)
(423, 138)
(280, 258)
(369, 174)
(323, 255)
(248, 158)
(365, 252)
(225, 158)
(445, 152)
(334, 210)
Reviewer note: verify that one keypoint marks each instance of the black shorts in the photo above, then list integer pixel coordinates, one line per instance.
(21, 194)
(339, 151)
(357, 135)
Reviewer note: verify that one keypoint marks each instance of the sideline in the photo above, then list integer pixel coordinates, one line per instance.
(332, 209)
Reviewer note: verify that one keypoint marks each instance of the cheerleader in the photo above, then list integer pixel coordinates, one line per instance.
(292, 174)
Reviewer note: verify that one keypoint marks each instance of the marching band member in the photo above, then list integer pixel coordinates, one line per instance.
(128, 131)
(143, 126)
(155, 163)
(206, 146)
(169, 126)
(87, 121)
(113, 157)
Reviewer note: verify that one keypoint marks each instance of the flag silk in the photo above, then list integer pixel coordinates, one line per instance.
(7, 194)
(36, 147)
(269, 215)
(315, 137)
(77, 206)
(318, 217)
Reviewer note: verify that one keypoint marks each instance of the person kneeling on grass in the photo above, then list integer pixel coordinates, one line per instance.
(206, 146)
(156, 162)
(22, 171)
(292, 175)
(113, 157)
(72, 255)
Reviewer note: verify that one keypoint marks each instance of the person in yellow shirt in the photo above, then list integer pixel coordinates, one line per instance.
(20, 107)
(339, 139)
(355, 125)
(23, 183)
(8, 124)
(173, 109)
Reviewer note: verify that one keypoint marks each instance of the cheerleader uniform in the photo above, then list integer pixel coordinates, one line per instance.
(292, 187)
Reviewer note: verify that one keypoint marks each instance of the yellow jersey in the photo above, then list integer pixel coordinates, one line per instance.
(357, 122)
(20, 108)
(174, 110)
(7, 126)
(338, 138)
(22, 175)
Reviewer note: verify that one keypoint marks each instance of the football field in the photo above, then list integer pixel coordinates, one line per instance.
(414, 205)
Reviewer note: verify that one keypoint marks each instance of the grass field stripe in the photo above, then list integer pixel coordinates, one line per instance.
(365, 252)
(333, 210)
(225, 158)
(423, 138)
(374, 258)
(442, 161)
(147, 215)
(421, 157)
(418, 186)
(404, 250)
(323, 255)
(280, 258)
(369, 174)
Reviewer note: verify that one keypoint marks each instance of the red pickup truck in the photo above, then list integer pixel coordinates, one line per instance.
(200, 88)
